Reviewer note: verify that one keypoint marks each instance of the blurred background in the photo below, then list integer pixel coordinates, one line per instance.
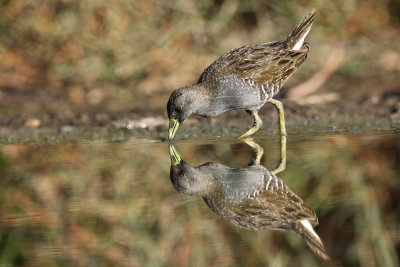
(70, 58)
(99, 203)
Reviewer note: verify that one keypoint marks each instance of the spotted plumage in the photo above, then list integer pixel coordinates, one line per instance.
(251, 197)
(265, 67)
(244, 78)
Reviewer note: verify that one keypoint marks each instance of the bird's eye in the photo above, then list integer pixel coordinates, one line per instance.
(178, 108)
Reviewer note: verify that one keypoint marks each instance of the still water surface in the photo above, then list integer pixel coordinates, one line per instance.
(101, 203)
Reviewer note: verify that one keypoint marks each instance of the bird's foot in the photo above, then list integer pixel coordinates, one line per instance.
(256, 125)
(251, 131)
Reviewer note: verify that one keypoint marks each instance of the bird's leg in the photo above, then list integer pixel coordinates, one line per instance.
(256, 125)
(259, 150)
(282, 163)
(279, 106)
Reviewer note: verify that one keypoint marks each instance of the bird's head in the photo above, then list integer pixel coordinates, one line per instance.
(181, 104)
(187, 179)
(190, 180)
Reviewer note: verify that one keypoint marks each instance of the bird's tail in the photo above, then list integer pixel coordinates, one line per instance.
(305, 230)
(296, 39)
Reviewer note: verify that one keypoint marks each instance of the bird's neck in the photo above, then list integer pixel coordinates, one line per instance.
(201, 100)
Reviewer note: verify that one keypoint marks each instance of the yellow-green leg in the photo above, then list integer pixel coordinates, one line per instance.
(257, 148)
(256, 125)
(279, 106)
(282, 164)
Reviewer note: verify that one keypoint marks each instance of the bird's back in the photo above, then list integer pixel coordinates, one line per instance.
(263, 67)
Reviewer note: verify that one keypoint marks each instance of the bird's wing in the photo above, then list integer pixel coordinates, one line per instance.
(278, 201)
(262, 64)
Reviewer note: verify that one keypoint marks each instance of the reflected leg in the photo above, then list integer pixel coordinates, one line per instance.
(282, 164)
(256, 125)
(259, 150)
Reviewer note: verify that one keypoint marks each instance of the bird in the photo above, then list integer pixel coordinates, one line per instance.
(244, 78)
(249, 197)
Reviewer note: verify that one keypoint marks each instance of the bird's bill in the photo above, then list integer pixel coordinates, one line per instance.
(173, 127)
(175, 158)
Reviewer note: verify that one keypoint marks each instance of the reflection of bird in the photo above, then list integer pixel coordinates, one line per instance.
(244, 78)
(251, 197)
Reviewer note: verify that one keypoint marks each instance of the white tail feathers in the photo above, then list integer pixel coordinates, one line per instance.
(307, 233)
(296, 39)
(307, 225)
(300, 42)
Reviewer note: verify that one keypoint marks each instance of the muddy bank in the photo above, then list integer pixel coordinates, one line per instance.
(366, 115)
(341, 105)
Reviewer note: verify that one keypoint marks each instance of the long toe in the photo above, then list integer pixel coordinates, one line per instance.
(251, 131)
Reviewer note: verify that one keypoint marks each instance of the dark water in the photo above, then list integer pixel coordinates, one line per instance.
(101, 203)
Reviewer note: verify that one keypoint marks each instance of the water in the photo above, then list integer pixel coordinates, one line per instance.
(101, 203)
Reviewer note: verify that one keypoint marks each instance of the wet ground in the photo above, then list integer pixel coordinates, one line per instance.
(46, 115)
(100, 203)
(371, 115)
